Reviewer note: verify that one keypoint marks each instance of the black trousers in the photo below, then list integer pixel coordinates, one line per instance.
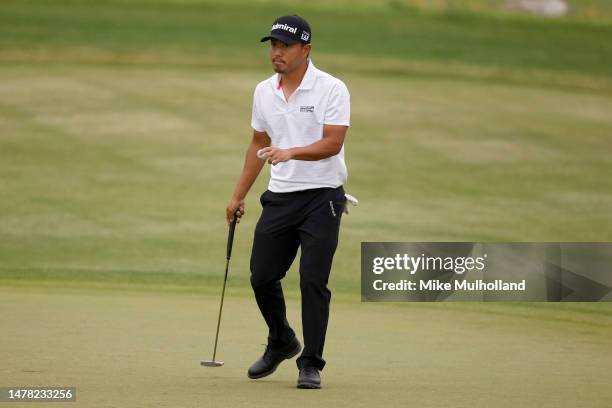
(309, 219)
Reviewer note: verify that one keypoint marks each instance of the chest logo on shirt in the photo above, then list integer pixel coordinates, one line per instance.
(306, 108)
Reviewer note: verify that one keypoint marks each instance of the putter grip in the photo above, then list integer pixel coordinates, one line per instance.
(230, 238)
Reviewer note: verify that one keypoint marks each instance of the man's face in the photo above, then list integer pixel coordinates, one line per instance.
(285, 58)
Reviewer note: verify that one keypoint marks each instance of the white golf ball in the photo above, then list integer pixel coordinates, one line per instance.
(261, 154)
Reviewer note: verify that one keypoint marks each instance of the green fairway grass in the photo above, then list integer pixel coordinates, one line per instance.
(143, 350)
(123, 128)
(124, 30)
(109, 177)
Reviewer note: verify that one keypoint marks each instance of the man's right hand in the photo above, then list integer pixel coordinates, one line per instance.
(234, 205)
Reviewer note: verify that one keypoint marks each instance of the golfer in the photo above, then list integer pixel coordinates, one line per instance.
(300, 118)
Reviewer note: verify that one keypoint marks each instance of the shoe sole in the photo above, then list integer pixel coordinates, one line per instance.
(293, 353)
(309, 386)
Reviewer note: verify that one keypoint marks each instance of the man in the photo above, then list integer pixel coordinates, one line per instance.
(300, 118)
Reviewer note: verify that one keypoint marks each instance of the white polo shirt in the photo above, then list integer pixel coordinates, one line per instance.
(321, 99)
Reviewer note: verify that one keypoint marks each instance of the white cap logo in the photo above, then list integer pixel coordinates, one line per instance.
(284, 27)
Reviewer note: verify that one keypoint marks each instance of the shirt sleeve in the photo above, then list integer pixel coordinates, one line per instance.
(338, 110)
(257, 121)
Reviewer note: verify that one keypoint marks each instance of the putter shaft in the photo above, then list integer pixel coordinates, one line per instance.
(220, 309)
(230, 241)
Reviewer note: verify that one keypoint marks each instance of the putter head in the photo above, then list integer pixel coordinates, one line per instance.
(211, 363)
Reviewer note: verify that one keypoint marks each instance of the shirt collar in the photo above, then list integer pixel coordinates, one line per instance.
(309, 76)
(308, 79)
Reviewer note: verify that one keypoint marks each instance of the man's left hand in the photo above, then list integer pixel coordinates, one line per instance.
(276, 155)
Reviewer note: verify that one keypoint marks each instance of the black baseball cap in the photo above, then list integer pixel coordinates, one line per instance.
(290, 30)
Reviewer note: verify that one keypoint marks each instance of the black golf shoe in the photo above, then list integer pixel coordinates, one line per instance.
(309, 378)
(272, 357)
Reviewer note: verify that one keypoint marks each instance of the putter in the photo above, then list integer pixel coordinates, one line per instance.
(230, 240)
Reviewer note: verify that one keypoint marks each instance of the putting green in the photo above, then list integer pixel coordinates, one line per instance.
(142, 349)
